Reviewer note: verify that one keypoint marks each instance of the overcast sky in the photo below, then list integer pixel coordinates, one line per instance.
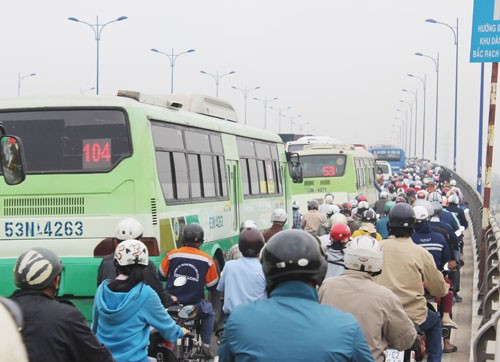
(341, 65)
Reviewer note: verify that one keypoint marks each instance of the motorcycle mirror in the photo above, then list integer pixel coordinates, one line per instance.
(180, 281)
(188, 312)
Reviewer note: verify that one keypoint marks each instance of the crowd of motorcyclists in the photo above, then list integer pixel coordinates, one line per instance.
(366, 277)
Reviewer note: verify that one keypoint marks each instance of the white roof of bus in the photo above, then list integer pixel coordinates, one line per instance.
(155, 107)
(316, 139)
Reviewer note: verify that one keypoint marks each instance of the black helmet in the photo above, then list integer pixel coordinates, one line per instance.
(369, 216)
(293, 254)
(36, 268)
(402, 216)
(251, 242)
(193, 233)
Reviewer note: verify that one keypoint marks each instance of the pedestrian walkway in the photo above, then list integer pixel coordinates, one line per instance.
(463, 312)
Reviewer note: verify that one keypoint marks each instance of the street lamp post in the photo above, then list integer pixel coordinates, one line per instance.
(401, 132)
(292, 119)
(436, 63)
(280, 111)
(454, 30)
(415, 94)
(405, 130)
(265, 101)
(245, 92)
(424, 85)
(217, 77)
(97, 29)
(410, 107)
(396, 131)
(20, 80)
(172, 58)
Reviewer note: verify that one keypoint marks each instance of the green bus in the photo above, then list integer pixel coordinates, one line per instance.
(166, 161)
(328, 167)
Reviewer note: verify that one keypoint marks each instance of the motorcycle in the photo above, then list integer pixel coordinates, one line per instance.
(189, 348)
(415, 354)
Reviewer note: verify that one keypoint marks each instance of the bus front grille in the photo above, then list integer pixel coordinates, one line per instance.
(44, 206)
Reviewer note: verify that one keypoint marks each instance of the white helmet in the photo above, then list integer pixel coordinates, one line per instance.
(453, 199)
(453, 183)
(329, 199)
(363, 205)
(337, 219)
(421, 213)
(364, 253)
(279, 215)
(130, 252)
(248, 224)
(129, 228)
(336, 209)
(434, 196)
(384, 195)
(295, 205)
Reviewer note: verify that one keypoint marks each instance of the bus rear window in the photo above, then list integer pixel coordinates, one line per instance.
(323, 165)
(61, 141)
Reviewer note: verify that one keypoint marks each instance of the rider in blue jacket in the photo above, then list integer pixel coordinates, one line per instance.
(291, 325)
(125, 308)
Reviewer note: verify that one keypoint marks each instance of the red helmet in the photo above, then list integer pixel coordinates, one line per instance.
(362, 198)
(340, 232)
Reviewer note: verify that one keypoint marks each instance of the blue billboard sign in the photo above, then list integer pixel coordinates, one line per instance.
(485, 39)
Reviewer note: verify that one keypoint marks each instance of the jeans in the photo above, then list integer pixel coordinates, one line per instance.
(455, 275)
(432, 329)
(207, 315)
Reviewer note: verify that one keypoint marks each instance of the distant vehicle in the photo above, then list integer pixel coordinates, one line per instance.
(344, 170)
(385, 167)
(299, 144)
(394, 155)
(93, 161)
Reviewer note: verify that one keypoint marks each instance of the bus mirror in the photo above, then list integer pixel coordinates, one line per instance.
(293, 159)
(12, 156)
(296, 173)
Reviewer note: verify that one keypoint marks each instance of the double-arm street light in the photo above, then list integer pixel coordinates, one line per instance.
(97, 29)
(415, 95)
(280, 111)
(454, 30)
(245, 92)
(424, 85)
(172, 57)
(217, 77)
(85, 90)
(292, 119)
(410, 108)
(265, 101)
(20, 80)
(436, 64)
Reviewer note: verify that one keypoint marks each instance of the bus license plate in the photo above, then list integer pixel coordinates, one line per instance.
(47, 229)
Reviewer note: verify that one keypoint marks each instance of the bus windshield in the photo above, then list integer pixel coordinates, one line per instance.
(323, 165)
(70, 140)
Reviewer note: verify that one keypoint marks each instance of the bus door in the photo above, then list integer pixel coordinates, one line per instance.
(234, 191)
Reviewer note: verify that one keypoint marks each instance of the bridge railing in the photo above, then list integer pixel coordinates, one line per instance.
(485, 341)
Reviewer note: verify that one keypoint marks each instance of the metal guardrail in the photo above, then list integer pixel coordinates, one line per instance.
(486, 341)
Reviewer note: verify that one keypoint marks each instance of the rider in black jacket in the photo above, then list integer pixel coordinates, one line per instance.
(53, 330)
(132, 229)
